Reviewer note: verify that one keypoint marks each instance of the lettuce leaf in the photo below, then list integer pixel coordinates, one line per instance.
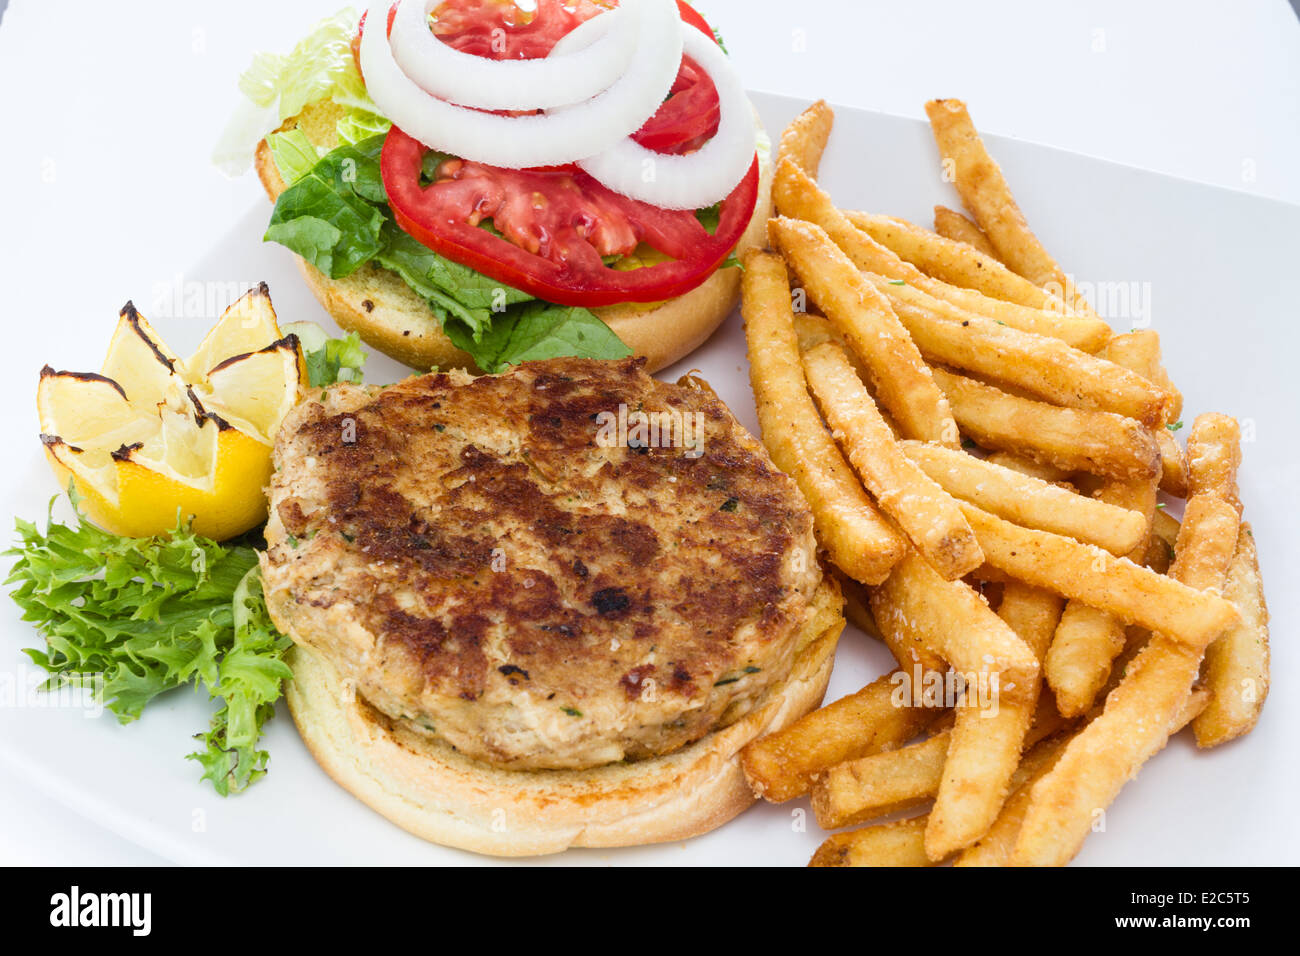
(329, 360)
(331, 216)
(148, 615)
(277, 86)
(293, 154)
(538, 330)
(337, 218)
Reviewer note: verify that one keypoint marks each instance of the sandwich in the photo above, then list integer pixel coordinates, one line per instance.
(479, 184)
(545, 608)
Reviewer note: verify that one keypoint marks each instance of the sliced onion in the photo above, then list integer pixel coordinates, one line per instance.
(600, 56)
(695, 180)
(547, 139)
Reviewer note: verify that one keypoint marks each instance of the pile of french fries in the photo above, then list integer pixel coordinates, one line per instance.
(986, 462)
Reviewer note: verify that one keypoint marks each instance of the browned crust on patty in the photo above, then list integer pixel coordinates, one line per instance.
(471, 555)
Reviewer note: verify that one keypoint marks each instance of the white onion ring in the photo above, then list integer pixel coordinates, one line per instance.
(547, 139)
(695, 180)
(475, 81)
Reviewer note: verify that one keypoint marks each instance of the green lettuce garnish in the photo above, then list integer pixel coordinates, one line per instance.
(148, 615)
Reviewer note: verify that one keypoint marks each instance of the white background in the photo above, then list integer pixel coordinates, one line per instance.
(110, 112)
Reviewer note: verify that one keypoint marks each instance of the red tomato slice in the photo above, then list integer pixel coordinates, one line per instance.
(498, 29)
(557, 224)
(551, 227)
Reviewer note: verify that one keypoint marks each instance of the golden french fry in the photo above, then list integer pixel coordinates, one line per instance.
(958, 263)
(1027, 466)
(1139, 350)
(1173, 465)
(813, 330)
(1165, 527)
(901, 379)
(804, 140)
(869, 787)
(1040, 365)
(988, 735)
(1144, 709)
(927, 514)
(1086, 573)
(953, 225)
(859, 540)
(1030, 501)
(908, 654)
(799, 197)
(860, 790)
(996, 847)
(1073, 439)
(1237, 664)
(782, 766)
(954, 623)
(1087, 639)
(985, 193)
(1214, 454)
(900, 843)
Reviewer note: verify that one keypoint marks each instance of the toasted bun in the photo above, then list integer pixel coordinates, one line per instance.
(441, 795)
(388, 315)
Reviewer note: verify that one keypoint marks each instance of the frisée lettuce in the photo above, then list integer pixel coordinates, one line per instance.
(134, 618)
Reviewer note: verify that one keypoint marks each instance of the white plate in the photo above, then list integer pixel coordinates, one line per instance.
(1215, 271)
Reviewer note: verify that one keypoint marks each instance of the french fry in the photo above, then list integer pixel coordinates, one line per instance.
(996, 847)
(907, 653)
(1213, 455)
(953, 622)
(927, 514)
(848, 525)
(1143, 710)
(1088, 639)
(953, 225)
(1139, 350)
(901, 379)
(805, 138)
(782, 766)
(986, 195)
(1237, 664)
(860, 790)
(1173, 465)
(799, 197)
(954, 262)
(813, 330)
(1086, 573)
(1165, 527)
(986, 741)
(1030, 501)
(900, 843)
(1072, 439)
(1042, 366)
(1027, 466)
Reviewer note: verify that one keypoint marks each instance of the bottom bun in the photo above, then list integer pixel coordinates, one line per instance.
(438, 794)
(379, 306)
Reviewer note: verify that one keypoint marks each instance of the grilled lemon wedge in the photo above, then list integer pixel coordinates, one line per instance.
(152, 436)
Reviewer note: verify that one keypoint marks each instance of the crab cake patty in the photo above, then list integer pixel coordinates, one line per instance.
(520, 566)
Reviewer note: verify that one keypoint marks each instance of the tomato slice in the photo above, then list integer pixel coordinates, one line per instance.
(555, 225)
(499, 30)
(552, 227)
